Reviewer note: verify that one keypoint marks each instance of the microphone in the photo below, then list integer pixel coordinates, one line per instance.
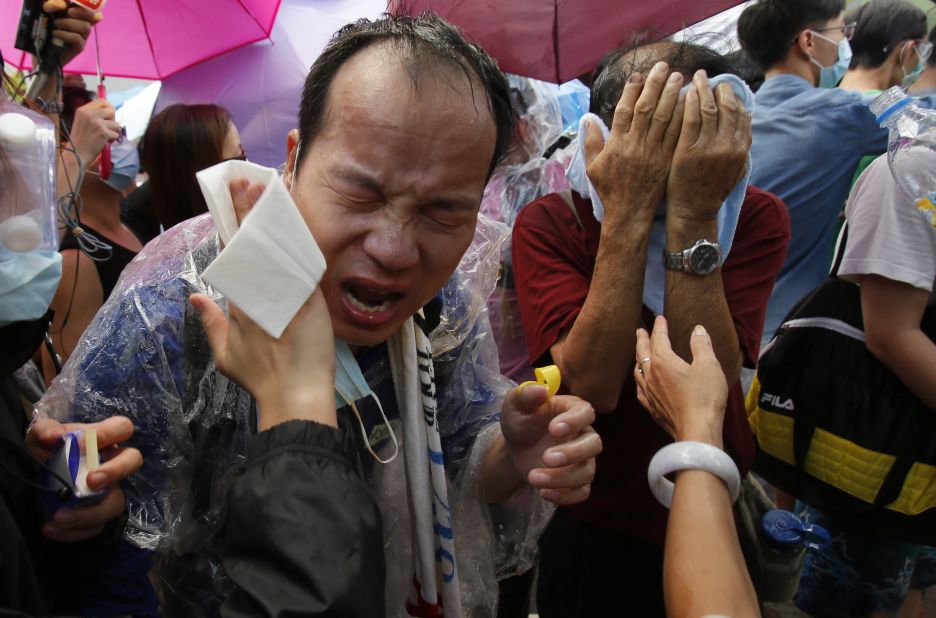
(33, 36)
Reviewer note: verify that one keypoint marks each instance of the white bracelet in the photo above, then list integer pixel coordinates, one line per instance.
(690, 456)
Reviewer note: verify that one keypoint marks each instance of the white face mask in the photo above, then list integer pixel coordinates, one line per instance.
(830, 76)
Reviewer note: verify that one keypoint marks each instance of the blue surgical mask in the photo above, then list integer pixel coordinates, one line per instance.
(350, 386)
(27, 284)
(126, 162)
(912, 77)
(830, 76)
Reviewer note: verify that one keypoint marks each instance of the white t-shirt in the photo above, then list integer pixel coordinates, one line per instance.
(887, 235)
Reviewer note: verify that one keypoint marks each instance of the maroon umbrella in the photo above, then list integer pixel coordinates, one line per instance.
(558, 40)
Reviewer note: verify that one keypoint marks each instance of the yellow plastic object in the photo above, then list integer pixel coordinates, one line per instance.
(91, 450)
(547, 376)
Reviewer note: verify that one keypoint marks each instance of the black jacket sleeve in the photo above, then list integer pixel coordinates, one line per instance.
(304, 534)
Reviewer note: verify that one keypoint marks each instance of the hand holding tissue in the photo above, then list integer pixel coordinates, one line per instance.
(270, 264)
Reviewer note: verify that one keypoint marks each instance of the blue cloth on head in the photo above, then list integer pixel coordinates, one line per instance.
(654, 273)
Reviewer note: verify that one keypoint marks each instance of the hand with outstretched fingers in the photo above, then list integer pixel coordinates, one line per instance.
(688, 401)
(711, 153)
(630, 170)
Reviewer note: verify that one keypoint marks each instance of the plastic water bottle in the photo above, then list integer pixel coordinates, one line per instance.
(911, 149)
(784, 540)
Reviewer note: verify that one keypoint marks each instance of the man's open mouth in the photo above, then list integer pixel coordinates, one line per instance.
(369, 299)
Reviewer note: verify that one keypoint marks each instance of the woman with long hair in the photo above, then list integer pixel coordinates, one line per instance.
(180, 141)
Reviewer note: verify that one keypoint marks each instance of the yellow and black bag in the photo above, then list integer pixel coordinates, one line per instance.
(837, 429)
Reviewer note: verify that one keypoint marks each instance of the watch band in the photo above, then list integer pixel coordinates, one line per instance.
(675, 260)
(682, 261)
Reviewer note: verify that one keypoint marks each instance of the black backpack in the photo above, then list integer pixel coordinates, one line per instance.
(836, 428)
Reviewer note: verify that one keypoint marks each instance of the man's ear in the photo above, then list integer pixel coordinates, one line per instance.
(292, 143)
(906, 51)
(806, 42)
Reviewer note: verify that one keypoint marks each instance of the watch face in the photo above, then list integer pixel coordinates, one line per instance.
(703, 259)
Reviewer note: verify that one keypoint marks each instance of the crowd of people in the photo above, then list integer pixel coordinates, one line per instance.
(393, 452)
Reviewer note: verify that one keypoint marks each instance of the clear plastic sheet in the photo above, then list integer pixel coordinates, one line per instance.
(145, 356)
(521, 178)
(523, 173)
(27, 180)
(574, 97)
(465, 295)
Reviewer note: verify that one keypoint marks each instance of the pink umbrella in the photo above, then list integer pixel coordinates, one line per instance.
(152, 39)
(559, 40)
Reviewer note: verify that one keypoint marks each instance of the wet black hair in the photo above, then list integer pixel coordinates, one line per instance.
(768, 28)
(424, 43)
(616, 67)
(881, 25)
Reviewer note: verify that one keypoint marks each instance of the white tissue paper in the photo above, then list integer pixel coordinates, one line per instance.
(270, 265)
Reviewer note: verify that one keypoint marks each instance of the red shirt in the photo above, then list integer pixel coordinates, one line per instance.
(553, 260)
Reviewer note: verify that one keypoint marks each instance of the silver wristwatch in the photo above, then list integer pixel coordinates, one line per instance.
(701, 258)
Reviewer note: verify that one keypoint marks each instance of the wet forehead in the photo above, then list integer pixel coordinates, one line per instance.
(382, 86)
(422, 136)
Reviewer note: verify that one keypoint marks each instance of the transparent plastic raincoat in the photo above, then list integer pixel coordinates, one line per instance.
(146, 356)
(522, 177)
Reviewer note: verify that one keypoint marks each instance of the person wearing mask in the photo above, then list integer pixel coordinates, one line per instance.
(585, 285)
(38, 556)
(889, 47)
(388, 180)
(96, 249)
(300, 479)
(925, 84)
(808, 135)
(207, 135)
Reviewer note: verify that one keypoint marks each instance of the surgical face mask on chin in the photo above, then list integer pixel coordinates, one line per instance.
(830, 76)
(126, 165)
(350, 386)
(126, 161)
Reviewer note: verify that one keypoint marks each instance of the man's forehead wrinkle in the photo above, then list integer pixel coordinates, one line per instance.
(348, 172)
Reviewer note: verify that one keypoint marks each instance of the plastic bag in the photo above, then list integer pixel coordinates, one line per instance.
(146, 356)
